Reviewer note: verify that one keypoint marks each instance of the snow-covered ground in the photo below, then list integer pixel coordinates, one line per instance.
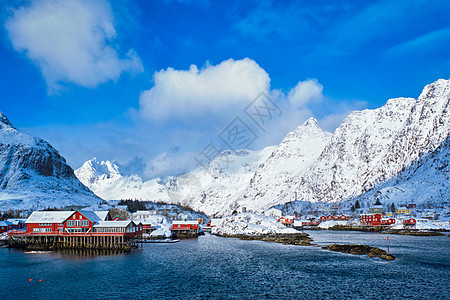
(250, 224)
(330, 223)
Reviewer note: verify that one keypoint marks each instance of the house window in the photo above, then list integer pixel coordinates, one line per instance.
(84, 223)
(77, 223)
(70, 223)
(35, 229)
(81, 217)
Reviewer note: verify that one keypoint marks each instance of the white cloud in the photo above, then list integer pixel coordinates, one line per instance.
(70, 41)
(180, 94)
(169, 163)
(305, 92)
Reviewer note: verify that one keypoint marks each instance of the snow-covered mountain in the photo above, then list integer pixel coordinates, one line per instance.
(279, 173)
(205, 189)
(107, 181)
(425, 182)
(402, 145)
(34, 174)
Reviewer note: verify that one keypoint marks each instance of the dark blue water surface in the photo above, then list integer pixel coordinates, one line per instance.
(212, 267)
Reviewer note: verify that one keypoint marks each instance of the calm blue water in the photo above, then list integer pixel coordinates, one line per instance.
(213, 267)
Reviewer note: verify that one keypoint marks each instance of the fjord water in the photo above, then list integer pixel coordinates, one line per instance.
(212, 267)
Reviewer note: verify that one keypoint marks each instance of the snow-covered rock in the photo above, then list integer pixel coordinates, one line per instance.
(330, 223)
(34, 175)
(250, 224)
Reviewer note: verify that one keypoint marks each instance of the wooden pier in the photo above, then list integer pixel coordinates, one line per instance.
(74, 241)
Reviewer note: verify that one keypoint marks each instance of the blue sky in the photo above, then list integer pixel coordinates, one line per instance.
(149, 84)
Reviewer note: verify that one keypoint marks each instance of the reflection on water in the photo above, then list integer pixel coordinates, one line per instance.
(214, 267)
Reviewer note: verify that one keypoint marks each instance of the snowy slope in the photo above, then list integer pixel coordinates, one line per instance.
(276, 176)
(212, 191)
(34, 174)
(425, 182)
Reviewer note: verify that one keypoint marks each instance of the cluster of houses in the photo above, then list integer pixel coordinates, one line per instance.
(12, 224)
(374, 217)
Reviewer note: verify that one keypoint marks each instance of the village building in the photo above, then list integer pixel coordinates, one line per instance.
(273, 212)
(287, 221)
(409, 222)
(371, 219)
(142, 214)
(402, 211)
(387, 221)
(376, 209)
(334, 217)
(213, 222)
(17, 223)
(305, 222)
(5, 226)
(189, 228)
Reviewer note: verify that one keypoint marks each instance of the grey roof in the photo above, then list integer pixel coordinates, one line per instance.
(94, 216)
(16, 221)
(113, 223)
(49, 216)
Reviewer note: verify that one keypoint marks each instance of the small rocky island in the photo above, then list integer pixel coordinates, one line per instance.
(250, 226)
(299, 239)
(360, 250)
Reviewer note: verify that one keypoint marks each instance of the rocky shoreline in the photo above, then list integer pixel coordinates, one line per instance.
(413, 232)
(299, 239)
(360, 250)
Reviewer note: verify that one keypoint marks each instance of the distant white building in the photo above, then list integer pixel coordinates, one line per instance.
(214, 222)
(142, 214)
(273, 212)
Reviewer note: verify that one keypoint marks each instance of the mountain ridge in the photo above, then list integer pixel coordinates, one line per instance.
(368, 150)
(32, 172)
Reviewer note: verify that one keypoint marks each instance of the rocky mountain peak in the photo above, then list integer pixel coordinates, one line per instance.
(311, 122)
(4, 121)
(32, 172)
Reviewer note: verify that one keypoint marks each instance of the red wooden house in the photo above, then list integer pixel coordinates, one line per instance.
(79, 229)
(189, 226)
(5, 226)
(410, 221)
(371, 219)
(387, 221)
(287, 221)
(64, 222)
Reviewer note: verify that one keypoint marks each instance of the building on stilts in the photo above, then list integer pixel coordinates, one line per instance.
(51, 230)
